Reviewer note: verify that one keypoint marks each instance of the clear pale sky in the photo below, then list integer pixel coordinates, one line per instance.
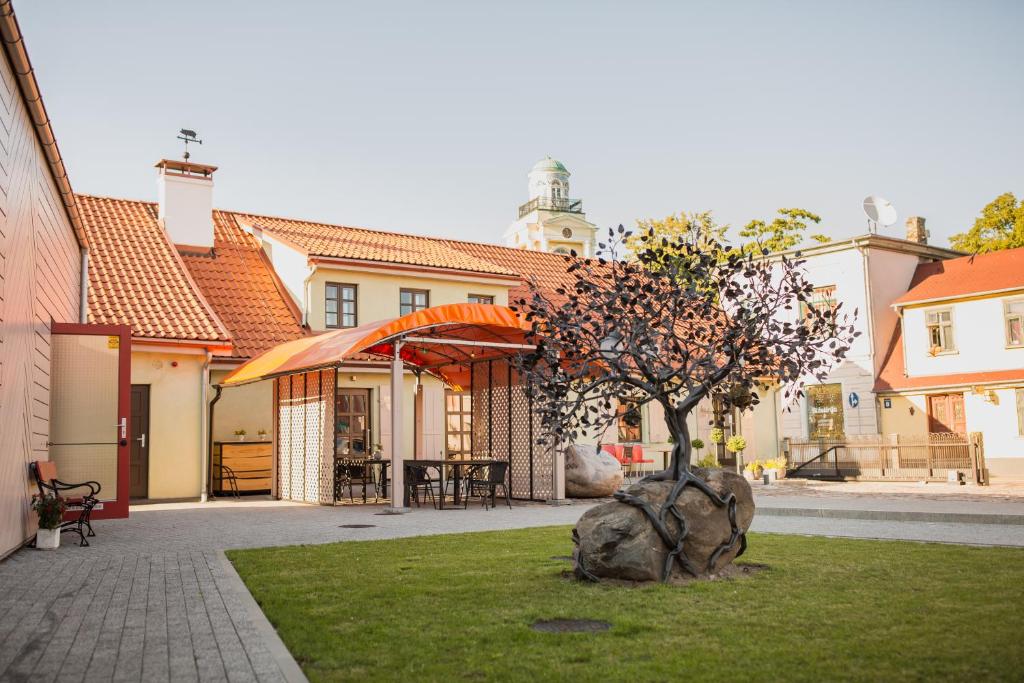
(424, 117)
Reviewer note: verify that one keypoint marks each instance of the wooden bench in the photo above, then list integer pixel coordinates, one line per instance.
(45, 473)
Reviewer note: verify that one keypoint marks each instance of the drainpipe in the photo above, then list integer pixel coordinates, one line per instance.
(206, 428)
(83, 302)
(208, 479)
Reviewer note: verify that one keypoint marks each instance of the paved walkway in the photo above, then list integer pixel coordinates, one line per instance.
(154, 598)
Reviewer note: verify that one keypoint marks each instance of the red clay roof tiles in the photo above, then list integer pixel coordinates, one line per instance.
(989, 272)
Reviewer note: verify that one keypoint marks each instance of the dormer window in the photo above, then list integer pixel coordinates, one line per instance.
(940, 331)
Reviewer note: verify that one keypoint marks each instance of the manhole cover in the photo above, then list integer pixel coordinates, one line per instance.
(357, 526)
(570, 626)
(566, 558)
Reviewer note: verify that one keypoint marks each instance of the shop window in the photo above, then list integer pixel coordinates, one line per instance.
(825, 411)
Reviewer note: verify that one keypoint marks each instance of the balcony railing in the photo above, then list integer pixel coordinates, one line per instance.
(552, 204)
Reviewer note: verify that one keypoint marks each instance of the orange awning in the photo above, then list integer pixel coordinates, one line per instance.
(440, 340)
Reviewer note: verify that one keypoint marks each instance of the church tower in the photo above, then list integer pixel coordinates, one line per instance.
(550, 220)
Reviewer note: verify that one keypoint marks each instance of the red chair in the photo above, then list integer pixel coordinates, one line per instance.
(615, 450)
(639, 460)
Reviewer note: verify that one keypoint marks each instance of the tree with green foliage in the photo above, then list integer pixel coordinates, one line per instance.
(1000, 226)
(698, 228)
(784, 232)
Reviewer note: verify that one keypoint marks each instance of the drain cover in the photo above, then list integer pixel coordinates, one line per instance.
(570, 626)
(357, 526)
(567, 558)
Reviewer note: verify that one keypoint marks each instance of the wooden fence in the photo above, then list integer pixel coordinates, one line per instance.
(915, 457)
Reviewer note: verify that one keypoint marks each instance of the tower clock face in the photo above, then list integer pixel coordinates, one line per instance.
(566, 233)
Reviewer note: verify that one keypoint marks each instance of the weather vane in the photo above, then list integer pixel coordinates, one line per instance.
(188, 136)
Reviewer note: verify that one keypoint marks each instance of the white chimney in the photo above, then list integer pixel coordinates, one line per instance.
(185, 196)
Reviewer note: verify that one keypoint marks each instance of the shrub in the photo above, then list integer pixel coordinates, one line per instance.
(697, 443)
(778, 463)
(754, 467)
(708, 461)
(50, 509)
(717, 435)
(735, 444)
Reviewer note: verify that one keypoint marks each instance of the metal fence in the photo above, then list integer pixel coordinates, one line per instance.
(913, 457)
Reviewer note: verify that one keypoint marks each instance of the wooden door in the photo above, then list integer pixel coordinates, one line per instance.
(352, 423)
(946, 413)
(138, 468)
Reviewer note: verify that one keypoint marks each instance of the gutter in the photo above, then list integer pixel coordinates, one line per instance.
(14, 48)
(205, 444)
(208, 461)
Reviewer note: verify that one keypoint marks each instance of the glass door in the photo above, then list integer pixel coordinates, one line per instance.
(352, 423)
(90, 371)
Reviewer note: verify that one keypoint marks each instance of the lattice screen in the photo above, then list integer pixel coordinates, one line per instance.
(505, 428)
(305, 418)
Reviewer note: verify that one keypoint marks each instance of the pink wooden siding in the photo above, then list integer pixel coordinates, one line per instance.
(39, 282)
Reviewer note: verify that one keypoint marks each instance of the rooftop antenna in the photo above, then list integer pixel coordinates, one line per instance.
(188, 136)
(879, 210)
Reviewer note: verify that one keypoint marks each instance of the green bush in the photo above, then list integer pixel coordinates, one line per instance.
(735, 444)
(50, 509)
(708, 461)
(717, 435)
(697, 443)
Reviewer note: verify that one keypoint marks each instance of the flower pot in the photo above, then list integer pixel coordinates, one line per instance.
(48, 539)
(751, 476)
(773, 474)
(241, 437)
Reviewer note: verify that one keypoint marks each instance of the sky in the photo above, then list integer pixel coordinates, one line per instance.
(425, 117)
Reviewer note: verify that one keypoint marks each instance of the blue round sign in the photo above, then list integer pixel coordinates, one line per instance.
(854, 399)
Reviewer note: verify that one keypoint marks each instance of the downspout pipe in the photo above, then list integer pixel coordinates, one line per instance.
(83, 285)
(208, 483)
(205, 452)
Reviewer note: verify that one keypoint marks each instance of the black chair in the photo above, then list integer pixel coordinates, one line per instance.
(360, 472)
(45, 473)
(417, 479)
(228, 475)
(484, 480)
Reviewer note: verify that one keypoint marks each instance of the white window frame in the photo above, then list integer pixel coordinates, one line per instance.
(942, 351)
(1008, 316)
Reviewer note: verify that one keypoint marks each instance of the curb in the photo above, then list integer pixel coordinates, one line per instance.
(289, 668)
(893, 515)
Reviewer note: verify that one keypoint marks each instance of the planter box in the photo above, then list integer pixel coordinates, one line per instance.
(47, 539)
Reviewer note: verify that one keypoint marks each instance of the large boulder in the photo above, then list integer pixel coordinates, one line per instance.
(616, 540)
(591, 473)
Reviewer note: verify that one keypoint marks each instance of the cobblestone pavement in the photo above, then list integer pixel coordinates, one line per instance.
(154, 599)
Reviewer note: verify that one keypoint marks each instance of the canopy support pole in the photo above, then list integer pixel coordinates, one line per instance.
(397, 464)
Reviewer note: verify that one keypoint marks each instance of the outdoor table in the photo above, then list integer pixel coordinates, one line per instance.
(369, 466)
(455, 465)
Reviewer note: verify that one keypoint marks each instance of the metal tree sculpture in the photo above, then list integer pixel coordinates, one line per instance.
(682, 320)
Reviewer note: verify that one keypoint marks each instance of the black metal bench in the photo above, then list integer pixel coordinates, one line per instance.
(45, 473)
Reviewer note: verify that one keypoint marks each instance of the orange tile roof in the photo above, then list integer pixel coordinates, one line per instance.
(338, 241)
(978, 274)
(892, 375)
(242, 289)
(137, 278)
(546, 269)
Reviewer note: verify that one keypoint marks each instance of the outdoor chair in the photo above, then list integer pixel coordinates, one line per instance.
(228, 476)
(483, 481)
(45, 474)
(418, 479)
(639, 461)
(359, 472)
(617, 451)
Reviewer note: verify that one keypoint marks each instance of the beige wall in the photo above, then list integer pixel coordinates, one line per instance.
(899, 419)
(377, 294)
(40, 271)
(249, 407)
(175, 421)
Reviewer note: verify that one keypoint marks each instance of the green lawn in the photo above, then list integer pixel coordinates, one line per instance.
(459, 607)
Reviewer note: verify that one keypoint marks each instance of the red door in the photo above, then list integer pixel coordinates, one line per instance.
(90, 406)
(946, 413)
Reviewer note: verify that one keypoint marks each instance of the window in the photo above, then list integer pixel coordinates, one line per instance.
(480, 299)
(458, 410)
(940, 331)
(825, 411)
(1014, 314)
(630, 423)
(412, 300)
(822, 299)
(340, 305)
(1020, 412)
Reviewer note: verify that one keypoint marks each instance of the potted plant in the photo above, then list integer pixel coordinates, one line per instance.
(50, 509)
(708, 461)
(378, 451)
(262, 434)
(698, 445)
(240, 433)
(716, 436)
(736, 444)
(752, 470)
(775, 468)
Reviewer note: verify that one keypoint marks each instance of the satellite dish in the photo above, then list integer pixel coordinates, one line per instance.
(879, 210)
